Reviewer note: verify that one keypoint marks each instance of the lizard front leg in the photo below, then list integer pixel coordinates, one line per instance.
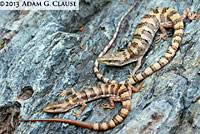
(164, 25)
(78, 112)
(64, 92)
(139, 63)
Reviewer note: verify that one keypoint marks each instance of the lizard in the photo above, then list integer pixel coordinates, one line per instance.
(159, 18)
(117, 92)
(122, 91)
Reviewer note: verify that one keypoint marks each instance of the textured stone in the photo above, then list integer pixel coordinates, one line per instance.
(44, 55)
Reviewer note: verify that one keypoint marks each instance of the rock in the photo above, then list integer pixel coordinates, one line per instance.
(42, 54)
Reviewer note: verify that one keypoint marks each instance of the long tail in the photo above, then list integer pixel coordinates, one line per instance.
(96, 64)
(73, 122)
(94, 126)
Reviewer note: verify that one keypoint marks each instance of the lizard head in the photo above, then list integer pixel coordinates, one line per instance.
(115, 59)
(56, 107)
(112, 59)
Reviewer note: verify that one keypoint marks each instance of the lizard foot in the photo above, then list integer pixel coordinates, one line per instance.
(77, 113)
(64, 92)
(129, 76)
(107, 106)
(162, 36)
(135, 90)
(56, 116)
(194, 16)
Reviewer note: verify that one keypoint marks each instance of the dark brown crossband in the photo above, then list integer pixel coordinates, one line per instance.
(174, 47)
(102, 78)
(171, 13)
(99, 126)
(141, 24)
(125, 98)
(162, 64)
(108, 124)
(99, 89)
(131, 53)
(111, 89)
(143, 74)
(134, 44)
(164, 10)
(106, 91)
(155, 11)
(125, 56)
(122, 115)
(153, 68)
(66, 100)
(121, 91)
(177, 41)
(138, 36)
(93, 94)
(135, 79)
(179, 34)
(109, 81)
(112, 86)
(167, 58)
(74, 96)
(116, 121)
(148, 16)
(169, 52)
(148, 33)
(126, 83)
(96, 71)
(83, 95)
(106, 86)
(149, 25)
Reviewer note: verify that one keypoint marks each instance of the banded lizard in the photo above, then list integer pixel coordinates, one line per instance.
(159, 18)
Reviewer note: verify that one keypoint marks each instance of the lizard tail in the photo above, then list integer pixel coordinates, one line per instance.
(73, 122)
(126, 103)
(94, 126)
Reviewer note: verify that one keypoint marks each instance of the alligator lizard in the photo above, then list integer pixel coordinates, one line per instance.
(159, 18)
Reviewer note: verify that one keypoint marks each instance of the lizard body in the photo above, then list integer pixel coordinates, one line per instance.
(122, 91)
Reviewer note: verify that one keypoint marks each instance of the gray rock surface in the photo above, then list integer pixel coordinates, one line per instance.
(44, 55)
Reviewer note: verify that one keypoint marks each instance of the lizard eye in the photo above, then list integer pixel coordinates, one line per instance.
(53, 108)
(109, 61)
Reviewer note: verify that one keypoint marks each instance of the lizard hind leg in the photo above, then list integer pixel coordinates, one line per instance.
(136, 68)
(191, 16)
(137, 89)
(112, 104)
